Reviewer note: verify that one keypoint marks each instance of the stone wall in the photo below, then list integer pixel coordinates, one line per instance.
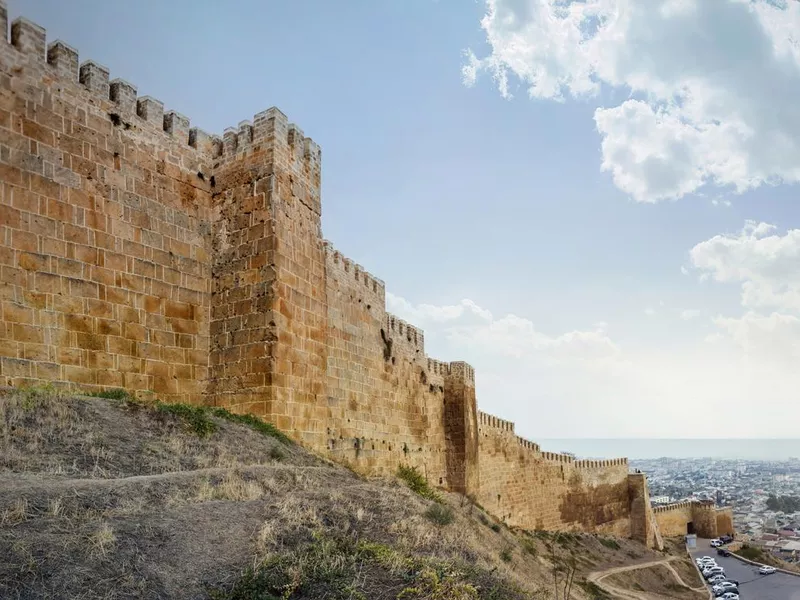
(725, 521)
(105, 201)
(543, 490)
(138, 252)
(678, 519)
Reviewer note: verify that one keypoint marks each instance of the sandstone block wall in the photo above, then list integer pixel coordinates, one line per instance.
(681, 518)
(139, 252)
(105, 268)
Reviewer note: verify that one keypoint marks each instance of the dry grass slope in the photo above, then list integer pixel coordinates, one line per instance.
(117, 498)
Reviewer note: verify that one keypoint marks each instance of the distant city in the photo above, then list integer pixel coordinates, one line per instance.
(746, 485)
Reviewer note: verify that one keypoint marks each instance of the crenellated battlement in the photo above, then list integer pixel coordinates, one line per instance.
(352, 269)
(601, 464)
(675, 506)
(528, 445)
(268, 128)
(557, 457)
(487, 420)
(463, 371)
(438, 367)
(412, 339)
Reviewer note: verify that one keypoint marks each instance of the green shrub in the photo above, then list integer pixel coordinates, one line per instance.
(496, 527)
(609, 543)
(439, 514)
(196, 417)
(417, 483)
(111, 394)
(252, 421)
(506, 555)
(529, 546)
(750, 553)
(594, 591)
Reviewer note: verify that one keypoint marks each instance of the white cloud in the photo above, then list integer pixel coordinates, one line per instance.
(766, 265)
(711, 85)
(689, 314)
(650, 311)
(584, 383)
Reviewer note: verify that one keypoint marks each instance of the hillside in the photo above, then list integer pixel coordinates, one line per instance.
(117, 498)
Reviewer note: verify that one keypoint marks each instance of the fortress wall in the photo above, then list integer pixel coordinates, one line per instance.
(724, 517)
(674, 519)
(546, 490)
(385, 406)
(138, 252)
(104, 205)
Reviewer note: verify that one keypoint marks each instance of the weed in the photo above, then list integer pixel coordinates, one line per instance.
(253, 422)
(506, 555)
(439, 514)
(196, 417)
(111, 394)
(750, 553)
(529, 546)
(609, 543)
(431, 584)
(276, 453)
(417, 482)
(496, 527)
(103, 539)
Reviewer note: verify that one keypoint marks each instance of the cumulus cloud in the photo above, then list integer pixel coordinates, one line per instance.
(711, 84)
(765, 264)
(469, 326)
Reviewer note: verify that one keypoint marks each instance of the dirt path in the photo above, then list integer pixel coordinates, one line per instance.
(598, 576)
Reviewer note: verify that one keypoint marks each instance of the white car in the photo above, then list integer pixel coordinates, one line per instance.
(716, 543)
(724, 586)
(717, 579)
(766, 570)
(709, 573)
(729, 596)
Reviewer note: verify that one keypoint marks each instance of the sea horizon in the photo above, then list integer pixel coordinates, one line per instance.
(769, 449)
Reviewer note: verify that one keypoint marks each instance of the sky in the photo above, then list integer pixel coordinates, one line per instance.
(592, 202)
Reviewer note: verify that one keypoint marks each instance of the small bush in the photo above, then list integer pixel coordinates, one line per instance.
(439, 514)
(529, 546)
(111, 394)
(750, 553)
(253, 422)
(506, 555)
(431, 584)
(276, 453)
(609, 543)
(417, 482)
(496, 527)
(196, 417)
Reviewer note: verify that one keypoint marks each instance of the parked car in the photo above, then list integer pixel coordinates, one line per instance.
(725, 586)
(709, 573)
(766, 570)
(730, 596)
(717, 579)
(716, 543)
(726, 539)
(723, 552)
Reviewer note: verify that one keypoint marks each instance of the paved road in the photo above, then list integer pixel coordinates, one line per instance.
(753, 586)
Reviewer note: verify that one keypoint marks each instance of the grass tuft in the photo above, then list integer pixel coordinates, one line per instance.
(440, 514)
(417, 483)
(195, 417)
(252, 421)
(609, 543)
(111, 394)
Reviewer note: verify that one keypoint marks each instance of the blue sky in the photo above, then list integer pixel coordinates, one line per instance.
(563, 280)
